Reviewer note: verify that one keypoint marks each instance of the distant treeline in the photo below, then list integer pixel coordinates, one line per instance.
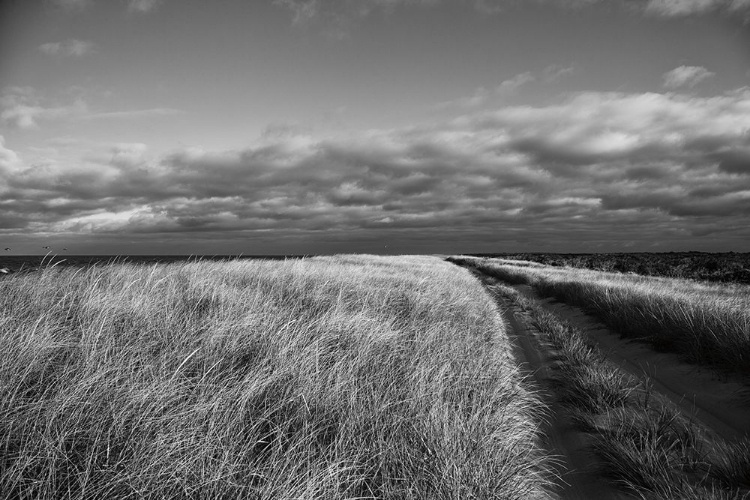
(720, 267)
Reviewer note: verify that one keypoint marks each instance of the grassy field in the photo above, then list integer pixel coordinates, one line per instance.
(341, 377)
(706, 323)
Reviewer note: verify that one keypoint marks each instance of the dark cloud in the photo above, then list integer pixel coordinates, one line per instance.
(596, 168)
(736, 161)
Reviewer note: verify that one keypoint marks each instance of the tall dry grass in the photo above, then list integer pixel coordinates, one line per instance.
(706, 323)
(644, 444)
(343, 377)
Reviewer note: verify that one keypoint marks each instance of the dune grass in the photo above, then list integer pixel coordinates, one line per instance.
(706, 323)
(340, 377)
(644, 444)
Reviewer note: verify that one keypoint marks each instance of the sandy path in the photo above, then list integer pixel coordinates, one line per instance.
(577, 466)
(561, 438)
(716, 401)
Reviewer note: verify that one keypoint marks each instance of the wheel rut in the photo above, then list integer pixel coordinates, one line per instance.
(717, 402)
(577, 468)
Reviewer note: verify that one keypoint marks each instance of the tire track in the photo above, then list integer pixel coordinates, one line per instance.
(717, 403)
(578, 470)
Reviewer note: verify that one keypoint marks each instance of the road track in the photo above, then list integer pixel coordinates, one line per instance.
(580, 479)
(717, 403)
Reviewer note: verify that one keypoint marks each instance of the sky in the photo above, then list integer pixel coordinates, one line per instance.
(378, 126)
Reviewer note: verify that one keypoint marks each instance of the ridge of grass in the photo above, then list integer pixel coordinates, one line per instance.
(707, 324)
(340, 377)
(646, 446)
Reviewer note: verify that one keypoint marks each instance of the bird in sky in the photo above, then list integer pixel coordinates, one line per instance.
(46, 248)
(65, 249)
(7, 249)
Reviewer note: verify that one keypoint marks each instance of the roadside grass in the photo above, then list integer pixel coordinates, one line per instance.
(340, 377)
(645, 445)
(706, 323)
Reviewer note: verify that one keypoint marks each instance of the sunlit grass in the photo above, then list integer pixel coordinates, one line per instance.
(343, 377)
(645, 445)
(706, 323)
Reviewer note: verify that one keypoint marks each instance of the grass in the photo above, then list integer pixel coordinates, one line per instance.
(645, 445)
(706, 323)
(342, 377)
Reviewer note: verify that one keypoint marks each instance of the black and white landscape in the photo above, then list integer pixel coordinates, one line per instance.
(375, 249)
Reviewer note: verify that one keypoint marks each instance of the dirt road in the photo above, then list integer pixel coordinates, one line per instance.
(578, 467)
(718, 402)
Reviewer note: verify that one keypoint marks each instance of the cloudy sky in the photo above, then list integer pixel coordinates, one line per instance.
(384, 126)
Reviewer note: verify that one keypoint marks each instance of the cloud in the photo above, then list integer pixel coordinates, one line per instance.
(686, 76)
(128, 155)
(9, 160)
(72, 47)
(483, 96)
(681, 8)
(477, 99)
(73, 5)
(554, 72)
(657, 167)
(515, 83)
(133, 6)
(338, 17)
(142, 6)
(133, 114)
(302, 10)
(23, 108)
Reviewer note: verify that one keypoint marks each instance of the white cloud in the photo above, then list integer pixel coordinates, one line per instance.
(134, 6)
(22, 108)
(641, 163)
(142, 6)
(672, 8)
(339, 16)
(73, 4)
(9, 160)
(478, 98)
(490, 7)
(679, 8)
(70, 47)
(133, 114)
(515, 83)
(554, 72)
(686, 76)
(302, 10)
(128, 155)
(482, 96)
